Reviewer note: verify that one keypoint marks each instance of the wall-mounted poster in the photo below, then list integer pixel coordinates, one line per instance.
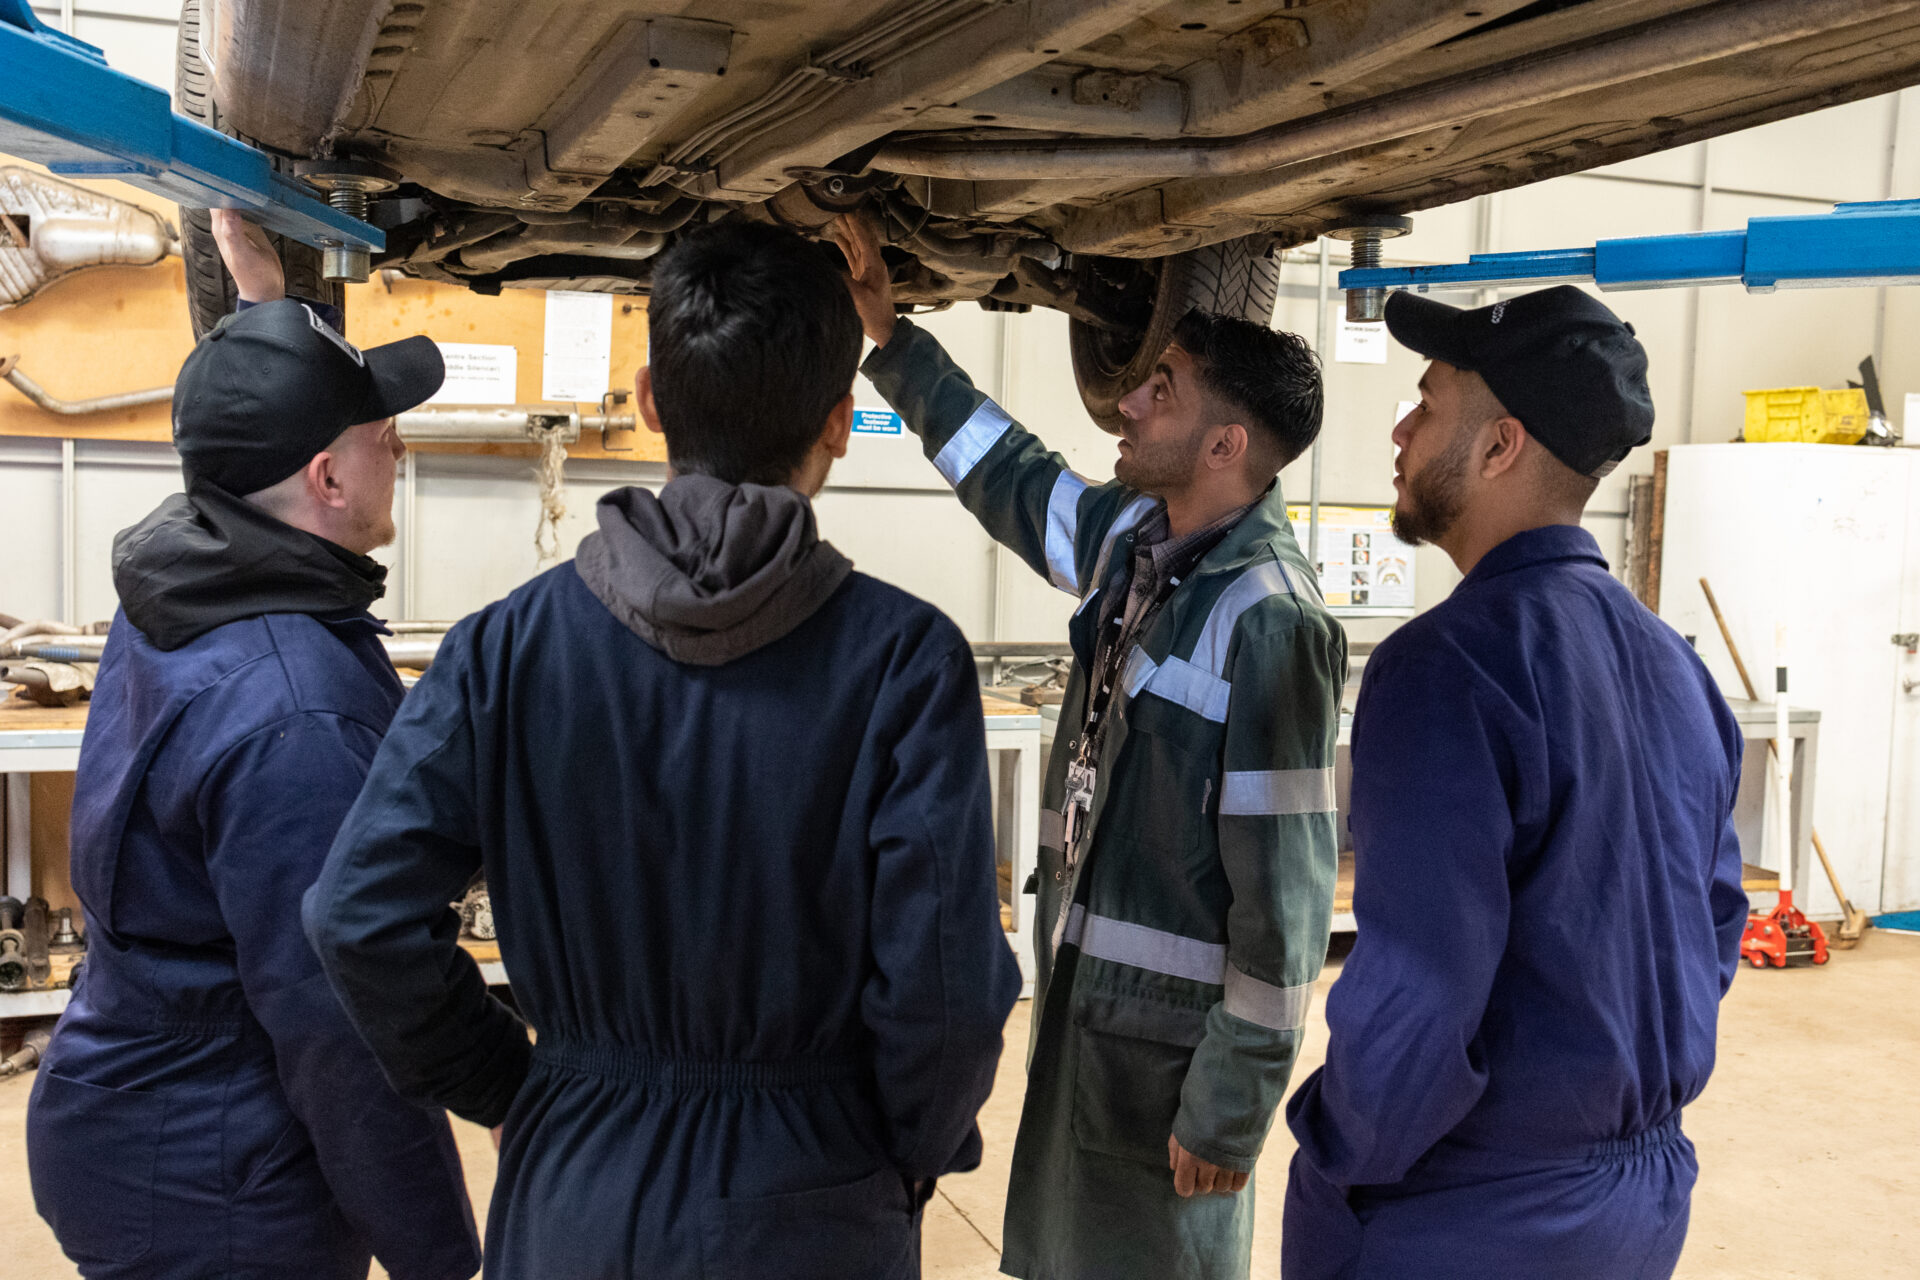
(1364, 569)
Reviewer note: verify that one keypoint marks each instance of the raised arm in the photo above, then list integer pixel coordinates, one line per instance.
(1026, 496)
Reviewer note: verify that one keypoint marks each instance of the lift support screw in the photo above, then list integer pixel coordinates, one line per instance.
(1364, 235)
(349, 185)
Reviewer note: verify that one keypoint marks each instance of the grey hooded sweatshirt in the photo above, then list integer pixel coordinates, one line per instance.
(708, 571)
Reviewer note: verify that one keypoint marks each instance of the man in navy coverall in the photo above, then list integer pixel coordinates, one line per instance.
(206, 1111)
(1547, 881)
(731, 800)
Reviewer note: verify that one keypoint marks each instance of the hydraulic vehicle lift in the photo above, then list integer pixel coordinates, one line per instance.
(1857, 244)
(63, 107)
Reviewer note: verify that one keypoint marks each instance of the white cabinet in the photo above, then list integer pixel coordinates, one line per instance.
(1826, 540)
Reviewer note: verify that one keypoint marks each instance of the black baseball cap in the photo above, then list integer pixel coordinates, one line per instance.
(274, 385)
(1560, 361)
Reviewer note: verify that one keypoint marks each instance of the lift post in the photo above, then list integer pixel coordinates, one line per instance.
(62, 106)
(1873, 243)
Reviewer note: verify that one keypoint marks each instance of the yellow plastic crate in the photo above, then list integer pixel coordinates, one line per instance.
(1806, 415)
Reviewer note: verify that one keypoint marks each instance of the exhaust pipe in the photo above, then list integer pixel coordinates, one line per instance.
(1653, 48)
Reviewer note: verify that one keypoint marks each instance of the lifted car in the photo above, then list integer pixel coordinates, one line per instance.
(1117, 160)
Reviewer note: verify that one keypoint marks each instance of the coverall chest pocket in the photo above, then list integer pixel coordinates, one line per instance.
(1132, 1055)
(1164, 794)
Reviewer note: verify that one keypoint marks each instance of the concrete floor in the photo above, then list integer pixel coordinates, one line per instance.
(1809, 1139)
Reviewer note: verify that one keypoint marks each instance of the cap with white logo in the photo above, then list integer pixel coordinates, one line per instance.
(274, 385)
(1560, 361)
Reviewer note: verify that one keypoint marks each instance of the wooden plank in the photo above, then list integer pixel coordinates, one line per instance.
(18, 714)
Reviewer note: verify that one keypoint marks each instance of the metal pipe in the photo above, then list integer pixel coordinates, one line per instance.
(411, 652)
(509, 424)
(19, 836)
(1323, 338)
(10, 370)
(46, 647)
(1653, 48)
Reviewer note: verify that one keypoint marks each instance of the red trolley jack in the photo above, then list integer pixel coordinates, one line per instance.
(1783, 937)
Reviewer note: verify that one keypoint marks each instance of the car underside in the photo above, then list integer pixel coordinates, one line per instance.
(1056, 153)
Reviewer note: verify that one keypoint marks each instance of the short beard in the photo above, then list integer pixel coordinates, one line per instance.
(1165, 468)
(1435, 497)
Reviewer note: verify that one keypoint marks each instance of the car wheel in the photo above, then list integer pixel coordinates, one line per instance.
(210, 293)
(1236, 278)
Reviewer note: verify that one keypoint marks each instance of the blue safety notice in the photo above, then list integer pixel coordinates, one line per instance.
(877, 422)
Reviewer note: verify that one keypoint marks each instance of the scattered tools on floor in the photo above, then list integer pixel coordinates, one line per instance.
(66, 939)
(1855, 921)
(13, 945)
(476, 913)
(28, 1056)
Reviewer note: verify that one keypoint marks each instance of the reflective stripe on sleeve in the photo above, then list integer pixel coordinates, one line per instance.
(963, 451)
(1144, 948)
(1063, 526)
(1277, 791)
(1275, 1008)
(1265, 579)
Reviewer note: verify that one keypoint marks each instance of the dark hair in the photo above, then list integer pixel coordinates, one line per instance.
(753, 339)
(1270, 379)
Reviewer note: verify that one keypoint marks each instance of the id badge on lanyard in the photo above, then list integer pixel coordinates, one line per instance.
(1077, 808)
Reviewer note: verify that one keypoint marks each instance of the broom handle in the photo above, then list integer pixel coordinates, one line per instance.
(1726, 634)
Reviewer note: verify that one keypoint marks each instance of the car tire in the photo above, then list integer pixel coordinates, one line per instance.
(210, 291)
(1236, 278)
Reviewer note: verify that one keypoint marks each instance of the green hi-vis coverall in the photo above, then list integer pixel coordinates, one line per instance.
(1177, 954)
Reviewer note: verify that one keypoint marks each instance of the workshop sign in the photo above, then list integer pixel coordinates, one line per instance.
(877, 422)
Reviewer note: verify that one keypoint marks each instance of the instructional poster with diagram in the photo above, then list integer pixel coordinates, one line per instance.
(1363, 568)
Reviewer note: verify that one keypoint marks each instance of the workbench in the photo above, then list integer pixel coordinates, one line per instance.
(47, 740)
(1756, 725)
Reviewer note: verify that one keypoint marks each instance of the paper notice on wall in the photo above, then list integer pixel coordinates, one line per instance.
(478, 373)
(1363, 568)
(578, 359)
(1356, 343)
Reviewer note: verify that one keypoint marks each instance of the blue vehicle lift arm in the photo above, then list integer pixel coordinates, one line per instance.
(63, 107)
(1857, 244)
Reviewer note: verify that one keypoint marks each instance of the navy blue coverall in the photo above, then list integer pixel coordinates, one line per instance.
(206, 1109)
(748, 908)
(1549, 909)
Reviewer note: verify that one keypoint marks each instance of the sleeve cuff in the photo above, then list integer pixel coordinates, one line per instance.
(881, 360)
(1212, 1153)
(487, 1099)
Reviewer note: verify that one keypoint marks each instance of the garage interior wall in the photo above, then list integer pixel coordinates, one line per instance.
(468, 521)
